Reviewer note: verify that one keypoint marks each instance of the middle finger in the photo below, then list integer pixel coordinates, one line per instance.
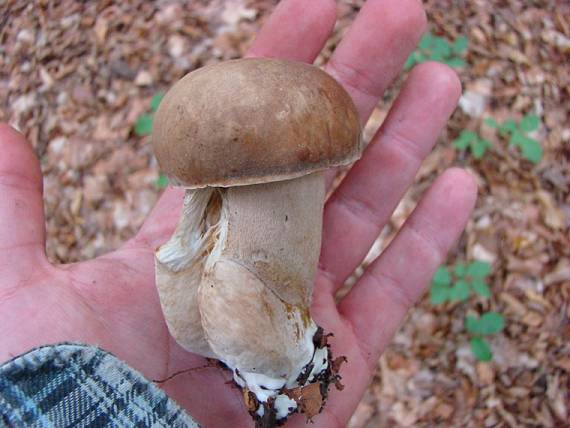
(374, 49)
(361, 206)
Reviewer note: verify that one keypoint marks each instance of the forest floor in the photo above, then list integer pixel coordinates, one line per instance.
(76, 76)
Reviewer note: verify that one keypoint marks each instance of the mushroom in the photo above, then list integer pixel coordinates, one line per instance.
(249, 140)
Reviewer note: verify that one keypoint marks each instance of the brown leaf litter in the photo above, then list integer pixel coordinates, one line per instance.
(74, 76)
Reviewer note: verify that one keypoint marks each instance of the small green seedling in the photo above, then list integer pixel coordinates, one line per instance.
(487, 324)
(161, 182)
(434, 48)
(455, 283)
(518, 135)
(143, 125)
(470, 140)
(466, 279)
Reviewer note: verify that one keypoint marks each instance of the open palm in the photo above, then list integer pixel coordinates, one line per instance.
(112, 301)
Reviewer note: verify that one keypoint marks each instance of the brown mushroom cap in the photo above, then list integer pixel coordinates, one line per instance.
(252, 121)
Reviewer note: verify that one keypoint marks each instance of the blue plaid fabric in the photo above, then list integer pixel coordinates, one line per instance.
(70, 385)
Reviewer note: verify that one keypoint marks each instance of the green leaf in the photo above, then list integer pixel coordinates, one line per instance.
(410, 62)
(484, 143)
(161, 182)
(471, 324)
(478, 269)
(439, 293)
(490, 323)
(468, 135)
(441, 276)
(481, 288)
(460, 44)
(530, 122)
(464, 139)
(492, 123)
(518, 138)
(459, 291)
(459, 270)
(441, 47)
(436, 56)
(143, 125)
(420, 57)
(508, 127)
(460, 143)
(426, 41)
(455, 62)
(532, 150)
(478, 148)
(481, 349)
(155, 101)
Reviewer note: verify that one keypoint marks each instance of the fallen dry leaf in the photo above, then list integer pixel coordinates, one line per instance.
(309, 399)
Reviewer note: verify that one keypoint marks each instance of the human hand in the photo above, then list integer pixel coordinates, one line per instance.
(112, 302)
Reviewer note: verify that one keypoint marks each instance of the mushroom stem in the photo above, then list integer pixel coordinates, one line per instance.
(236, 279)
(256, 289)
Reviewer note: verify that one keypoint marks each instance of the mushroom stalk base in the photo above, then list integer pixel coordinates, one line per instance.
(306, 395)
(235, 282)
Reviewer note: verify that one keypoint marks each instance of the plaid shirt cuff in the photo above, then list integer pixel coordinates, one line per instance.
(78, 385)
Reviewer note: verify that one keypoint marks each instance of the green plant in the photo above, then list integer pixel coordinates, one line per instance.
(466, 279)
(488, 323)
(161, 182)
(456, 283)
(143, 125)
(469, 139)
(434, 48)
(518, 135)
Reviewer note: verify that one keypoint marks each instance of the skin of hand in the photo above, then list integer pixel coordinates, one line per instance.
(112, 302)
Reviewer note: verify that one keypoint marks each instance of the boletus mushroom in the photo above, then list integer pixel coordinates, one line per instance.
(250, 140)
